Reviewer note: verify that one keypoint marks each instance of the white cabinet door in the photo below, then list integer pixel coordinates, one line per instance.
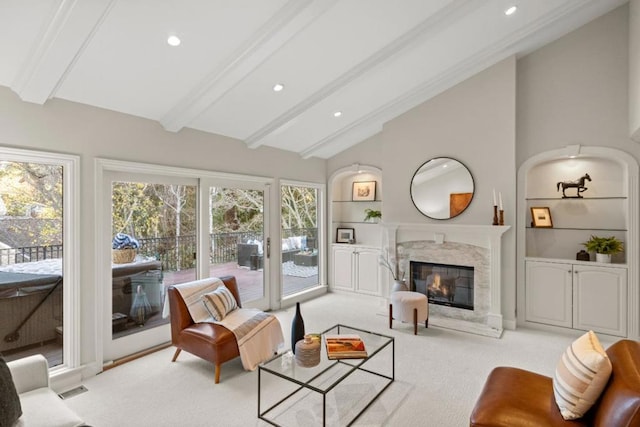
(548, 288)
(368, 271)
(600, 299)
(343, 271)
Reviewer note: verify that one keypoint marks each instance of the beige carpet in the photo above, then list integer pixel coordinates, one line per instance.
(439, 374)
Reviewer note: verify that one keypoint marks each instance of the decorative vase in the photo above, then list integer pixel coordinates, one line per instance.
(399, 285)
(140, 308)
(297, 328)
(603, 258)
(307, 352)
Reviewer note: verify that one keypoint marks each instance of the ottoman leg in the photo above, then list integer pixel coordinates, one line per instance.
(390, 315)
(415, 321)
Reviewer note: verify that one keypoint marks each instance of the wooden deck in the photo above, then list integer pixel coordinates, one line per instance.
(249, 281)
(250, 288)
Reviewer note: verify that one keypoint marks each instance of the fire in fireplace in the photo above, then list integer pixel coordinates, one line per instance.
(443, 284)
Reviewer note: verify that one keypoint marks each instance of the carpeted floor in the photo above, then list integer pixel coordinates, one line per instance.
(439, 374)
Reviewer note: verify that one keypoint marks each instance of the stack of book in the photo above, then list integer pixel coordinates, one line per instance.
(345, 347)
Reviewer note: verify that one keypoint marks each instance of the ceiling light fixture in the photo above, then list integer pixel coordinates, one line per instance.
(173, 40)
(278, 87)
(510, 11)
(337, 114)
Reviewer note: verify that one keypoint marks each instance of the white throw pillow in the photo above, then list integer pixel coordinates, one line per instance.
(219, 303)
(581, 375)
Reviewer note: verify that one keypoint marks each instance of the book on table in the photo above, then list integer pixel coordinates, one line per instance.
(345, 346)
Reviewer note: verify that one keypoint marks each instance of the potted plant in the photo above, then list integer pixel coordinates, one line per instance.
(371, 215)
(604, 247)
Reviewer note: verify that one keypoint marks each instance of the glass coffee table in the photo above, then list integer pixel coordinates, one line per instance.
(334, 392)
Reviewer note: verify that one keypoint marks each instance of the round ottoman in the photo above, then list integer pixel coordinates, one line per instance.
(409, 307)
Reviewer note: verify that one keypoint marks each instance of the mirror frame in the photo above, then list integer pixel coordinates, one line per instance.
(422, 209)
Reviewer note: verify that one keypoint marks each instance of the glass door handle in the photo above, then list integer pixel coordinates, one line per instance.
(268, 247)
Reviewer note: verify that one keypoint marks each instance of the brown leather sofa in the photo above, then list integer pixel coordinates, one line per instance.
(208, 341)
(517, 398)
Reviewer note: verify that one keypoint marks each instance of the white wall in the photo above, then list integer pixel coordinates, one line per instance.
(89, 132)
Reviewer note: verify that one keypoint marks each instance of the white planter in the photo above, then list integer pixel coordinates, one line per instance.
(603, 258)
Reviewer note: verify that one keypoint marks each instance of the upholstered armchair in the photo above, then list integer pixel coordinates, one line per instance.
(208, 341)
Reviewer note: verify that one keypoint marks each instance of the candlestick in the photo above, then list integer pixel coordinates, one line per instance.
(494, 197)
(495, 215)
(501, 221)
(500, 194)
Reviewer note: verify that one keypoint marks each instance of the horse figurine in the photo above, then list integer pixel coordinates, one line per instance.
(578, 185)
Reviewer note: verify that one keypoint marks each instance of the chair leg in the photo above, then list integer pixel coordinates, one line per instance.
(426, 323)
(390, 315)
(415, 321)
(175, 355)
(217, 373)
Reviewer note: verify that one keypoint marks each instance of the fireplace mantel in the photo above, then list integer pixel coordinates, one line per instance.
(484, 236)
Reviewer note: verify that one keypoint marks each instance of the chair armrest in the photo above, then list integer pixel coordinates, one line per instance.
(29, 373)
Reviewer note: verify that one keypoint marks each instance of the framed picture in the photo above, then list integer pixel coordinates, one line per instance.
(541, 217)
(345, 235)
(363, 191)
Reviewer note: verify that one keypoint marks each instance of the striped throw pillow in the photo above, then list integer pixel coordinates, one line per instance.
(581, 375)
(219, 303)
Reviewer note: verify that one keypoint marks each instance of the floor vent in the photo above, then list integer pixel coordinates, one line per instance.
(73, 392)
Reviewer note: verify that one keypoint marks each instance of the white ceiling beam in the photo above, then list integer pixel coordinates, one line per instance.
(293, 17)
(61, 41)
(425, 29)
(496, 52)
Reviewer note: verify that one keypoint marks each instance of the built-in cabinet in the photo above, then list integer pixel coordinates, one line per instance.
(577, 295)
(556, 289)
(356, 268)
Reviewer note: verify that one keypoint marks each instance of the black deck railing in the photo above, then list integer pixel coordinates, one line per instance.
(175, 253)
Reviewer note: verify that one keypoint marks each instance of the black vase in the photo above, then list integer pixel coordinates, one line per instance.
(297, 328)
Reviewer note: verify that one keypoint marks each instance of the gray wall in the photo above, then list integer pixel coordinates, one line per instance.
(634, 69)
(572, 91)
(66, 127)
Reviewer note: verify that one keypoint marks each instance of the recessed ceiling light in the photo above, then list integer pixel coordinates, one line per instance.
(511, 10)
(173, 40)
(278, 87)
(337, 114)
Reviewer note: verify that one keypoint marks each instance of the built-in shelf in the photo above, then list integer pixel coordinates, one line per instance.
(576, 228)
(578, 198)
(355, 222)
(357, 201)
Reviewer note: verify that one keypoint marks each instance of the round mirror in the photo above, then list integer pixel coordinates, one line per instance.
(442, 188)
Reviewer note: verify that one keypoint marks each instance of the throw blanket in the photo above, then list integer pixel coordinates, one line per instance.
(258, 334)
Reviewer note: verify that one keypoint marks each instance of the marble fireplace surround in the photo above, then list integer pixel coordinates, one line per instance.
(478, 246)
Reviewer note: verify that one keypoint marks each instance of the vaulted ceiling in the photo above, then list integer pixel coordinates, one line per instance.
(370, 60)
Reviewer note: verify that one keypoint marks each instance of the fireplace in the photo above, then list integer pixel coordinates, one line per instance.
(443, 284)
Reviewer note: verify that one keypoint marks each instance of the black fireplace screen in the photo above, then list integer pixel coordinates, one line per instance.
(443, 284)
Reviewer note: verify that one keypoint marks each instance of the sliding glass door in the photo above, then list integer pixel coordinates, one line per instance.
(299, 247)
(238, 243)
(153, 245)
